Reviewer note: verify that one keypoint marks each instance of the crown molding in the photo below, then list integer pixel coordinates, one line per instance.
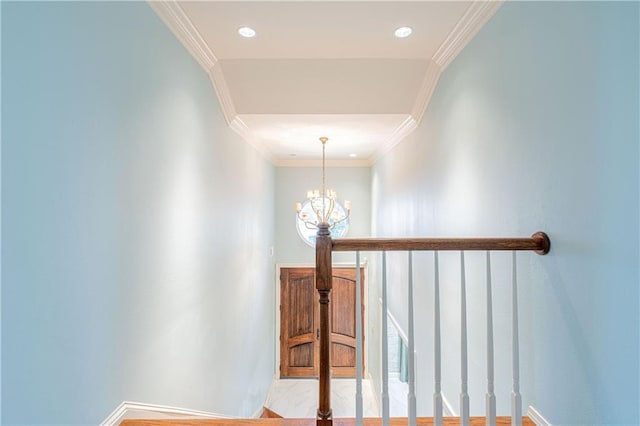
(316, 162)
(239, 126)
(468, 26)
(429, 84)
(398, 135)
(128, 408)
(465, 29)
(431, 77)
(179, 23)
(224, 96)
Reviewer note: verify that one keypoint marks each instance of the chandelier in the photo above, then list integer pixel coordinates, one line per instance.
(322, 206)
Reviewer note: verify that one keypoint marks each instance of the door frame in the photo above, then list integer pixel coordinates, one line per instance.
(363, 264)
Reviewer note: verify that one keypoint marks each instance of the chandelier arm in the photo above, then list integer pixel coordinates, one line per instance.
(327, 213)
(337, 222)
(310, 225)
(323, 209)
(305, 221)
(341, 220)
(319, 214)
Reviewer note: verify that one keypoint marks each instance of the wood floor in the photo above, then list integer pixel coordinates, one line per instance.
(423, 421)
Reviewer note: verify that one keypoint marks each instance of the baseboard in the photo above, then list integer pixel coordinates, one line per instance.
(447, 408)
(137, 410)
(536, 417)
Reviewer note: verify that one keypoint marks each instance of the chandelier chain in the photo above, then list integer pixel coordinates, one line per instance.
(324, 193)
(323, 205)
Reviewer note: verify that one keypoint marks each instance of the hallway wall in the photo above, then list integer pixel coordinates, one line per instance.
(534, 126)
(130, 212)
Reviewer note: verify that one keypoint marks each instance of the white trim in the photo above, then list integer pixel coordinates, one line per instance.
(258, 413)
(429, 84)
(398, 135)
(465, 29)
(179, 23)
(395, 323)
(468, 26)
(238, 126)
(536, 417)
(447, 408)
(224, 95)
(317, 162)
(126, 407)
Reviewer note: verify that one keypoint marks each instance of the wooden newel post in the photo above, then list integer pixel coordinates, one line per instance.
(323, 285)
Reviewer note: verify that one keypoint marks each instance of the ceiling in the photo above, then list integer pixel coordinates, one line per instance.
(324, 68)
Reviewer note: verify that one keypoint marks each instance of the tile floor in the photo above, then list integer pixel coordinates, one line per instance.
(298, 398)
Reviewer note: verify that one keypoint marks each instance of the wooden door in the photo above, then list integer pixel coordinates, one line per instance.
(298, 323)
(342, 313)
(299, 326)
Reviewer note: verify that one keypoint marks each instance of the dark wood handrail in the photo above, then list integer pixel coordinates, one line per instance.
(325, 245)
(538, 242)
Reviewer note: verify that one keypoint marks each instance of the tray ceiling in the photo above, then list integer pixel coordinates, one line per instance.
(324, 68)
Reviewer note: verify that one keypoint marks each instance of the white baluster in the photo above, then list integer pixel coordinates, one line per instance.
(359, 410)
(516, 398)
(385, 348)
(437, 394)
(411, 397)
(490, 399)
(464, 396)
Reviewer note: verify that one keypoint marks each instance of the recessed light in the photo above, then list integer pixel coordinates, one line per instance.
(246, 32)
(403, 32)
(353, 155)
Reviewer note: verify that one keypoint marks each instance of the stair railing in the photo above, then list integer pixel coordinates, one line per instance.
(325, 245)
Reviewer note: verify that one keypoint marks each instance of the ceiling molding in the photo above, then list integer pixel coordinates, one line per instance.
(477, 14)
(473, 19)
(401, 132)
(238, 126)
(316, 162)
(467, 27)
(177, 20)
(224, 96)
(174, 17)
(424, 95)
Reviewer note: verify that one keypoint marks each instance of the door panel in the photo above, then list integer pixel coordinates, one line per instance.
(343, 322)
(299, 349)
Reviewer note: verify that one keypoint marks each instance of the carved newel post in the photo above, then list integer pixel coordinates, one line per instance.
(323, 285)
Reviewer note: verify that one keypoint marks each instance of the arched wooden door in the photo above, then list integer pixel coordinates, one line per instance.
(299, 327)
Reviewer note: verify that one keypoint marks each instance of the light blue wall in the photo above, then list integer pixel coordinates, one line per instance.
(129, 215)
(292, 184)
(534, 126)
